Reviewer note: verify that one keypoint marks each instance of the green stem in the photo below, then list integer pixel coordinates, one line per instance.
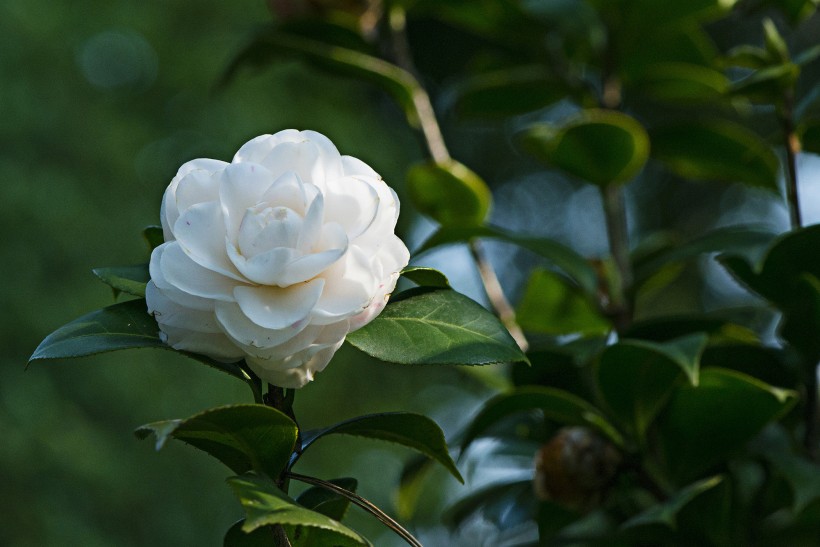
(792, 145)
(615, 213)
(361, 502)
(253, 382)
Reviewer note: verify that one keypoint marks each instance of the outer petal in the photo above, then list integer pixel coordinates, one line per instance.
(276, 308)
(256, 149)
(201, 234)
(352, 202)
(169, 212)
(250, 336)
(169, 290)
(188, 276)
(350, 286)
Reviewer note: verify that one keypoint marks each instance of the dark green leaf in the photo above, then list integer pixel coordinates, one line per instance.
(127, 279)
(702, 425)
(243, 437)
(810, 136)
(265, 505)
(153, 236)
(411, 430)
(663, 329)
(449, 192)
(551, 306)
(125, 325)
(716, 150)
(558, 406)
(327, 502)
(777, 447)
(683, 83)
(748, 241)
(636, 378)
(571, 263)
(599, 146)
(426, 277)
(666, 513)
(509, 91)
(767, 85)
(747, 56)
(121, 326)
(276, 44)
(438, 327)
(411, 484)
(261, 537)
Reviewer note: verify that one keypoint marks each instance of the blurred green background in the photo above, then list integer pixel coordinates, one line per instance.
(100, 102)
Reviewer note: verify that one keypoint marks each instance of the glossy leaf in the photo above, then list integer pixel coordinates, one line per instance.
(326, 502)
(450, 193)
(552, 306)
(576, 267)
(636, 378)
(426, 277)
(716, 150)
(702, 425)
(558, 406)
(437, 327)
(508, 91)
(127, 279)
(414, 431)
(276, 43)
(598, 146)
(243, 437)
(120, 326)
(666, 513)
(266, 505)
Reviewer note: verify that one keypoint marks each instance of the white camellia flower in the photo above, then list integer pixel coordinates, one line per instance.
(275, 256)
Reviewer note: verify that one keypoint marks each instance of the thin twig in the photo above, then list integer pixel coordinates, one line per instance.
(280, 537)
(792, 145)
(495, 293)
(361, 502)
(616, 227)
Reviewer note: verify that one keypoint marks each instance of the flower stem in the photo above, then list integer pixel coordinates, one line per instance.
(361, 502)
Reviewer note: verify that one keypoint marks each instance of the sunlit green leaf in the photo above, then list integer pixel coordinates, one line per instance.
(636, 378)
(426, 277)
(243, 437)
(576, 267)
(552, 306)
(558, 406)
(266, 505)
(683, 83)
(449, 192)
(598, 146)
(436, 327)
(716, 150)
(407, 429)
(127, 279)
(702, 425)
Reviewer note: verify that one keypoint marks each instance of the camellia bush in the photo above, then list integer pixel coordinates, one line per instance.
(663, 392)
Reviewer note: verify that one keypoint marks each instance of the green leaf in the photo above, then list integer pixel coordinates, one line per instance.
(599, 146)
(127, 279)
(121, 326)
(666, 513)
(716, 150)
(426, 277)
(449, 192)
(235, 537)
(665, 328)
(703, 425)
(266, 505)
(125, 325)
(153, 236)
(508, 92)
(411, 485)
(636, 378)
(437, 327)
(810, 136)
(414, 431)
(326, 502)
(683, 83)
(273, 43)
(576, 267)
(551, 306)
(243, 437)
(748, 56)
(767, 85)
(745, 240)
(774, 42)
(557, 405)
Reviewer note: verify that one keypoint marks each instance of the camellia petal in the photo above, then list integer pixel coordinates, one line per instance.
(274, 257)
(277, 308)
